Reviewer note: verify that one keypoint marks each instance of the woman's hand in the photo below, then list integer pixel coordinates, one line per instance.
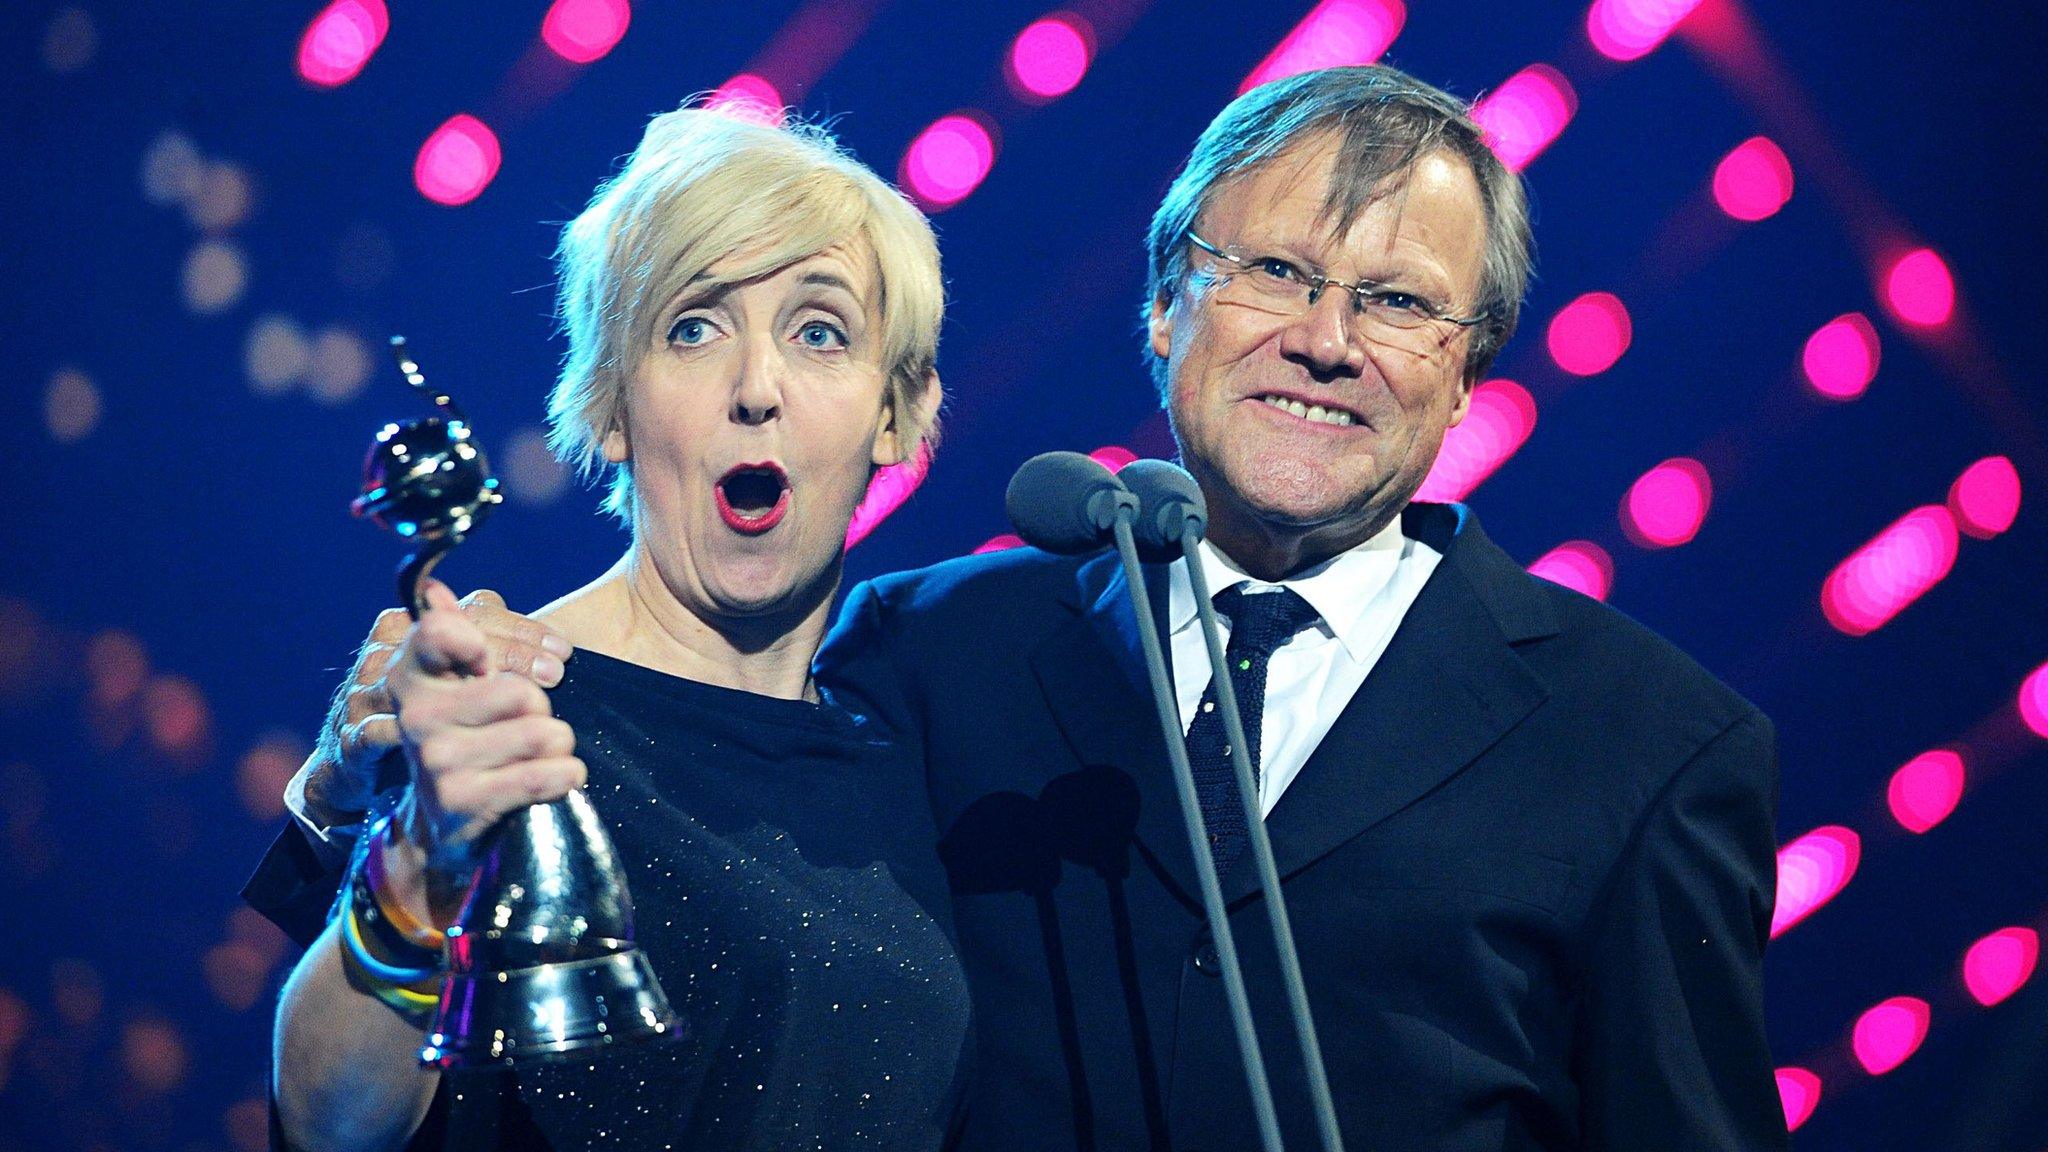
(481, 743)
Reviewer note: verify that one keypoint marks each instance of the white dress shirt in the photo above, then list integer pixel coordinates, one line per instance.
(1361, 595)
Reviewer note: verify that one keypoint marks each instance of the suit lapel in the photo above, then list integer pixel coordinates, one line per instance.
(1448, 687)
(1092, 673)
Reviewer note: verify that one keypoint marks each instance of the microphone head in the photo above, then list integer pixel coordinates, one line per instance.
(1064, 502)
(1170, 507)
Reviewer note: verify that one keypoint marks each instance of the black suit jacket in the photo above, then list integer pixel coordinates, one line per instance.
(1530, 871)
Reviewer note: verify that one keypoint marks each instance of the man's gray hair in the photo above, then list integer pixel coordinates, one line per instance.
(1384, 121)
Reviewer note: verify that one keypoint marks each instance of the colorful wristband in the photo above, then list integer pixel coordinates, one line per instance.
(414, 931)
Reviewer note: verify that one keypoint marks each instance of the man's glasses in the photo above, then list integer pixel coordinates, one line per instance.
(1280, 286)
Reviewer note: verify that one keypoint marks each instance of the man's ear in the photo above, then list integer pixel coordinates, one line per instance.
(1463, 404)
(614, 446)
(894, 442)
(1160, 325)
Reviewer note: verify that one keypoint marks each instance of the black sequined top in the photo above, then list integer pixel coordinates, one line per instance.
(786, 889)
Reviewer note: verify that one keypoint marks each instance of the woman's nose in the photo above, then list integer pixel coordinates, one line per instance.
(757, 395)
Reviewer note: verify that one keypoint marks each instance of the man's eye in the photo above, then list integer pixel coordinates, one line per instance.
(1278, 269)
(1398, 302)
(690, 330)
(818, 334)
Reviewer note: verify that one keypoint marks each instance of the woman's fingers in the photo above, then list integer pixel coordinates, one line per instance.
(484, 798)
(451, 751)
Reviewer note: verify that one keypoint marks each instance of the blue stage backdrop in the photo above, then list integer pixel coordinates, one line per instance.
(1777, 393)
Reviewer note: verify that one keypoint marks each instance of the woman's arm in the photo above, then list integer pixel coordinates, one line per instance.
(348, 1071)
(479, 746)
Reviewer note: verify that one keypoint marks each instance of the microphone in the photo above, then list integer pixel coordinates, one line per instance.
(1066, 503)
(1172, 515)
(1171, 510)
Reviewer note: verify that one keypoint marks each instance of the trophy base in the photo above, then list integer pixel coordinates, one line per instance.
(527, 1015)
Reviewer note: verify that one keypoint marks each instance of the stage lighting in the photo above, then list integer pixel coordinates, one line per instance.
(1841, 357)
(458, 161)
(1666, 505)
(1887, 1035)
(1926, 789)
(1920, 289)
(1498, 422)
(1580, 565)
(1522, 116)
(1589, 334)
(1755, 180)
(1985, 499)
(1049, 57)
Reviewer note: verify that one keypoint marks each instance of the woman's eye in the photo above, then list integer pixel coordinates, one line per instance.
(818, 334)
(689, 331)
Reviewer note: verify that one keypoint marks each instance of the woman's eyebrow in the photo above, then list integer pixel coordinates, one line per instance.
(829, 280)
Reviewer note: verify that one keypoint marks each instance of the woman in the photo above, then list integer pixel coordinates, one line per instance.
(752, 320)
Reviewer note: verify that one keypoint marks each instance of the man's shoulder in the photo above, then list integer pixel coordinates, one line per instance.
(1012, 580)
(1601, 653)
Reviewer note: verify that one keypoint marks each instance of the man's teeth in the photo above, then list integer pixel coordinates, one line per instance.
(1315, 412)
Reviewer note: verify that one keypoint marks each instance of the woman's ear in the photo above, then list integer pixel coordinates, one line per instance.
(894, 441)
(614, 446)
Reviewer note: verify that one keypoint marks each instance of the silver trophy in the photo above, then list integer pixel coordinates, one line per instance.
(541, 961)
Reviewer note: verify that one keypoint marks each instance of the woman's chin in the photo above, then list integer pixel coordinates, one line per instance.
(763, 586)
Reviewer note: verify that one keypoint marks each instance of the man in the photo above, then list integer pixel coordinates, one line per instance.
(1527, 846)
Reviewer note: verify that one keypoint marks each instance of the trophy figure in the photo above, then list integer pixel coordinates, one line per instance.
(541, 961)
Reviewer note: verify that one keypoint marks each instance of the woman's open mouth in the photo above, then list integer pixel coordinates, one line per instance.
(752, 498)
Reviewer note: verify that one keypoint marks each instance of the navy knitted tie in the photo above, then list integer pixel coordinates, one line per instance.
(1260, 622)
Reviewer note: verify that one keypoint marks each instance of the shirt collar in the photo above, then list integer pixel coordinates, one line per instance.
(1340, 589)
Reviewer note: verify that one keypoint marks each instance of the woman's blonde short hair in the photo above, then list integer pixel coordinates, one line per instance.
(705, 187)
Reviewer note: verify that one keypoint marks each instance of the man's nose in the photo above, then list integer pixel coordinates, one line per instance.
(757, 394)
(1322, 339)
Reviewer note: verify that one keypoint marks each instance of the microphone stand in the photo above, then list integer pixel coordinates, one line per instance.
(1262, 850)
(1191, 813)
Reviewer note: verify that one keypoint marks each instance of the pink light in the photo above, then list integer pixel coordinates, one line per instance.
(1753, 181)
(1985, 499)
(1334, 33)
(1999, 964)
(747, 97)
(1841, 356)
(949, 160)
(1926, 789)
(887, 491)
(1049, 57)
(1811, 871)
(2034, 701)
(1897, 567)
(1666, 505)
(340, 41)
(1113, 457)
(1580, 565)
(1630, 29)
(1501, 416)
(457, 162)
(1799, 1093)
(581, 31)
(1920, 289)
(1888, 1034)
(1002, 543)
(1589, 334)
(1522, 116)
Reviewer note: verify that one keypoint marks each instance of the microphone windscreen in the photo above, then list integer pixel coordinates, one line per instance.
(1168, 499)
(1053, 500)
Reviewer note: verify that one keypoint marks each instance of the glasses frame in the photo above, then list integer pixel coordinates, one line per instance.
(1358, 289)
